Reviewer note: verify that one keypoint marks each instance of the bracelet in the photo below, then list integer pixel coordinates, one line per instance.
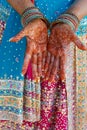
(31, 14)
(74, 16)
(69, 19)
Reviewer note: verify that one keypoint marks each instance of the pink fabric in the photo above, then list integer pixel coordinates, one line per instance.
(32, 1)
(29, 72)
(54, 112)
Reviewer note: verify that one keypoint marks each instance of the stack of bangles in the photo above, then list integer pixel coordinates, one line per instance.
(67, 18)
(31, 14)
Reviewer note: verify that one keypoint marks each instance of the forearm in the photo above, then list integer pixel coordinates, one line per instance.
(20, 5)
(79, 8)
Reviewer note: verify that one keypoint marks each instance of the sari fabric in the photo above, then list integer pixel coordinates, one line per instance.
(26, 105)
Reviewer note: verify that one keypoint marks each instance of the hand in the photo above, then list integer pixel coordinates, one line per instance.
(37, 38)
(59, 41)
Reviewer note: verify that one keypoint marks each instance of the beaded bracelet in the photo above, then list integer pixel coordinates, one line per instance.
(32, 13)
(69, 19)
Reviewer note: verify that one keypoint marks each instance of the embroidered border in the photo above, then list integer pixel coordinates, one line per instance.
(19, 100)
(2, 28)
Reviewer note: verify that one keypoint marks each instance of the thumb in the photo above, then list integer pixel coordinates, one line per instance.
(18, 37)
(79, 44)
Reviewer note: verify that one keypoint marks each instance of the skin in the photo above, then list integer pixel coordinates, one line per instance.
(20, 5)
(59, 41)
(79, 8)
(37, 37)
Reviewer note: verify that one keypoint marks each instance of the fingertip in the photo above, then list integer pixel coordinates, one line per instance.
(82, 47)
(46, 68)
(23, 71)
(85, 49)
(39, 71)
(51, 79)
(46, 78)
(42, 76)
(22, 74)
(62, 77)
(38, 79)
(11, 39)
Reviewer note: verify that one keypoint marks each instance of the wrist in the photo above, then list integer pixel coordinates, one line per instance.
(79, 8)
(20, 5)
(77, 13)
(67, 18)
(31, 14)
(26, 6)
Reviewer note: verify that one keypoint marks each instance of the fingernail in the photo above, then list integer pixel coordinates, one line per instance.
(46, 78)
(10, 39)
(22, 74)
(34, 80)
(42, 68)
(49, 83)
(37, 79)
(63, 80)
(42, 76)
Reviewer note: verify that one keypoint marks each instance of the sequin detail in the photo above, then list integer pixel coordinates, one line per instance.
(53, 110)
(17, 102)
(11, 61)
(2, 27)
(4, 14)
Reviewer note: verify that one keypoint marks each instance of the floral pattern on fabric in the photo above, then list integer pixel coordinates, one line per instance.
(3, 18)
(76, 82)
(81, 78)
(63, 107)
(2, 27)
(53, 110)
(17, 102)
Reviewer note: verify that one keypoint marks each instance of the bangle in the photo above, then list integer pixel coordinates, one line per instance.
(31, 14)
(74, 16)
(69, 19)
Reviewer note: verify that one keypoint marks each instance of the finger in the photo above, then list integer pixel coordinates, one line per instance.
(62, 66)
(50, 67)
(39, 64)
(47, 61)
(34, 66)
(55, 69)
(44, 54)
(78, 43)
(27, 58)
(18, 37)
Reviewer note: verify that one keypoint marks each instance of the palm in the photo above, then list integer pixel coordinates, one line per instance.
(59, 41)
(36, 34)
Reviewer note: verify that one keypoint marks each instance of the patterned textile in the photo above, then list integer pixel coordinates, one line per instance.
(5, 10)
(19, 98)
(81, 79)
(76, 82)
(2, 27)
(25, 105)
(12, 95)
(53, 112)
